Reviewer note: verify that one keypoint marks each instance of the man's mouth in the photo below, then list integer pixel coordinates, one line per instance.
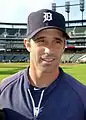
(47, 59)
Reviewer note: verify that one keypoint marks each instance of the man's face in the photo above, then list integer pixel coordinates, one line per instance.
(46, 49)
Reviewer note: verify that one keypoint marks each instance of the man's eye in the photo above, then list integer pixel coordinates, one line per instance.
(58, 42)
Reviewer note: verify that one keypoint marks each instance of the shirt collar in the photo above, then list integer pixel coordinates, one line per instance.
(50, 87)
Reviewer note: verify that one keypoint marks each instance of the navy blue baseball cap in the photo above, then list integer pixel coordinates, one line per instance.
(45, 19)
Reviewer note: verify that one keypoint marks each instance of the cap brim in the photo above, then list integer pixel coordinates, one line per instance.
(47, 27)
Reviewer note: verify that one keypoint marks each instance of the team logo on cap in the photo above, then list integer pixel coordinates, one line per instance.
(47, 16)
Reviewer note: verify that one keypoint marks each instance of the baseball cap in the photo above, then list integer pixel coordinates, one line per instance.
(45, 19)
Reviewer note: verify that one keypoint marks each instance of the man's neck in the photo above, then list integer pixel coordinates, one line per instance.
(40, 80)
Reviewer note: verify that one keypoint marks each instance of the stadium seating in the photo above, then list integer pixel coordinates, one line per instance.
(14, 57)
(71, 57)
(2, 30)
(12, 48)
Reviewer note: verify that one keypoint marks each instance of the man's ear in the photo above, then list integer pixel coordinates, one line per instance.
(27, 44)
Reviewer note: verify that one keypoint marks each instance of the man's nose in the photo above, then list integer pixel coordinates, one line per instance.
(48, 49)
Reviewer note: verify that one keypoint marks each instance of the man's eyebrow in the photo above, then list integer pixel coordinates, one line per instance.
(43, 37)
(57, 38)
(38, 38)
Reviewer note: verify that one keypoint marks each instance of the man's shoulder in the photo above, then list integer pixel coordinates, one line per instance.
(11, 80)
(74, 83)
(77, 86)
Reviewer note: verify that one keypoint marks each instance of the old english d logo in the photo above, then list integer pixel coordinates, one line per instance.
(47, 16)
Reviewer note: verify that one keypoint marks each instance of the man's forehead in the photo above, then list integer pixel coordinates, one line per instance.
(48, 35)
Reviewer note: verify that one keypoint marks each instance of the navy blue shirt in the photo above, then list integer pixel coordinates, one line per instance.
(64, 99)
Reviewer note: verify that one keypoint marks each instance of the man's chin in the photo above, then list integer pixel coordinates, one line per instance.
(47, 69)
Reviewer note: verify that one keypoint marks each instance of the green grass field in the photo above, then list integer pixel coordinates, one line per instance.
(76, 70)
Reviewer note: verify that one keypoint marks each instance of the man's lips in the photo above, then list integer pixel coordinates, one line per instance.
(48, 59)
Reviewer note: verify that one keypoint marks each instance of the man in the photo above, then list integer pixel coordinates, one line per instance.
(44, 91)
